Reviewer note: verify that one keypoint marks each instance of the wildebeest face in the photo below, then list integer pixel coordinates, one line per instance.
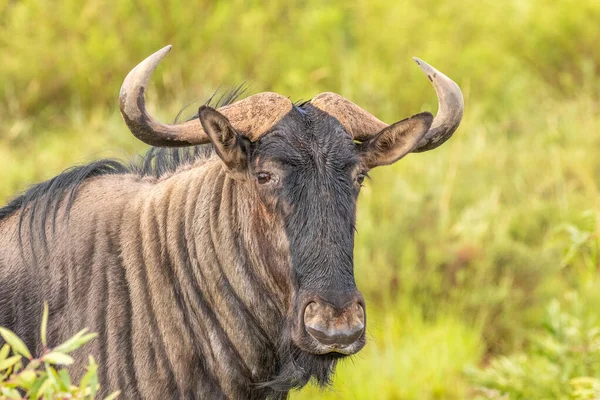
(307, 170)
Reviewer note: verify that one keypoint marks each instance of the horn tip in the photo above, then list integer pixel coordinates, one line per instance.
(162, 52)
(419, 62)
(158, 55)
(426, 68)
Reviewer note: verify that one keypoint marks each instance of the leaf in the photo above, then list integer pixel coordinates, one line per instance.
(94, 385)
(43, 389)
(37, 385)
(10, 393)
(113, 395)
(76, 341)
(33, 364)
(26, 378)
(48, 391)
(18, 366)
(52, 375)
(55, 357)
(90, 379)
(4, 352)
(65, 378)
(44, 327)
(13, 341)
(9, 362)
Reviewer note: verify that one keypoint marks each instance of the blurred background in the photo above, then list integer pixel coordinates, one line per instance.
(479, 261)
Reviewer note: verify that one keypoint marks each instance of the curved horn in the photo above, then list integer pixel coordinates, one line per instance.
(451, 106)
(362, 125)
(252, 116)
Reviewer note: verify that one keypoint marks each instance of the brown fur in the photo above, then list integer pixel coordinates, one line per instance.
(143, 250)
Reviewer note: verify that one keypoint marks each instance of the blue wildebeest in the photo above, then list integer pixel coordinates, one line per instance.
(222, 265)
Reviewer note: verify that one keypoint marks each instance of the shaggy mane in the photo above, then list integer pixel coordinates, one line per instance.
(43, 199)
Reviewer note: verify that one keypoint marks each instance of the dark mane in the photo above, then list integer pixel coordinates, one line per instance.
(44, 198)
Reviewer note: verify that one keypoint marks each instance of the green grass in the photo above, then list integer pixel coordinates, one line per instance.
(408, 356)
(459, 250)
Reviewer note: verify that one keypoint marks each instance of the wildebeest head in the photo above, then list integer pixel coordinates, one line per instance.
(306, 164)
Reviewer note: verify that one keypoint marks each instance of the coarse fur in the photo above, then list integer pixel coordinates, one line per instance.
(194, 274)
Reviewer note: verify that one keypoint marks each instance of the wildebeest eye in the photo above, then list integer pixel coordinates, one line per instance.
(263, 177)
(360, 178)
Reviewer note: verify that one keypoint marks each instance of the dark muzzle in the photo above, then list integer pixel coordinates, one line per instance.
(335, 327)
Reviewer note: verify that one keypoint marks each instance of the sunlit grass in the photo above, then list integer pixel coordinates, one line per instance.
(407, 357)
(459, 250)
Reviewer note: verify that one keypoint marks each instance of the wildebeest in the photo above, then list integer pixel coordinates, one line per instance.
(222, 266)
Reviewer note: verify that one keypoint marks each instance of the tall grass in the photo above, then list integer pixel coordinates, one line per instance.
(460, 250)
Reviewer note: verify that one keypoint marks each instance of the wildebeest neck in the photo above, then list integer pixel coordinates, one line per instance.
(225, 267)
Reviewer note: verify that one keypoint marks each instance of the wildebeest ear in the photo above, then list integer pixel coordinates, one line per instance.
(229, 144)
(395, 141)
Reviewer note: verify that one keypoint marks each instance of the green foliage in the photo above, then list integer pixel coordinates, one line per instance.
(44, 377)
(497, 50)
(561, 362)
(459, 250)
